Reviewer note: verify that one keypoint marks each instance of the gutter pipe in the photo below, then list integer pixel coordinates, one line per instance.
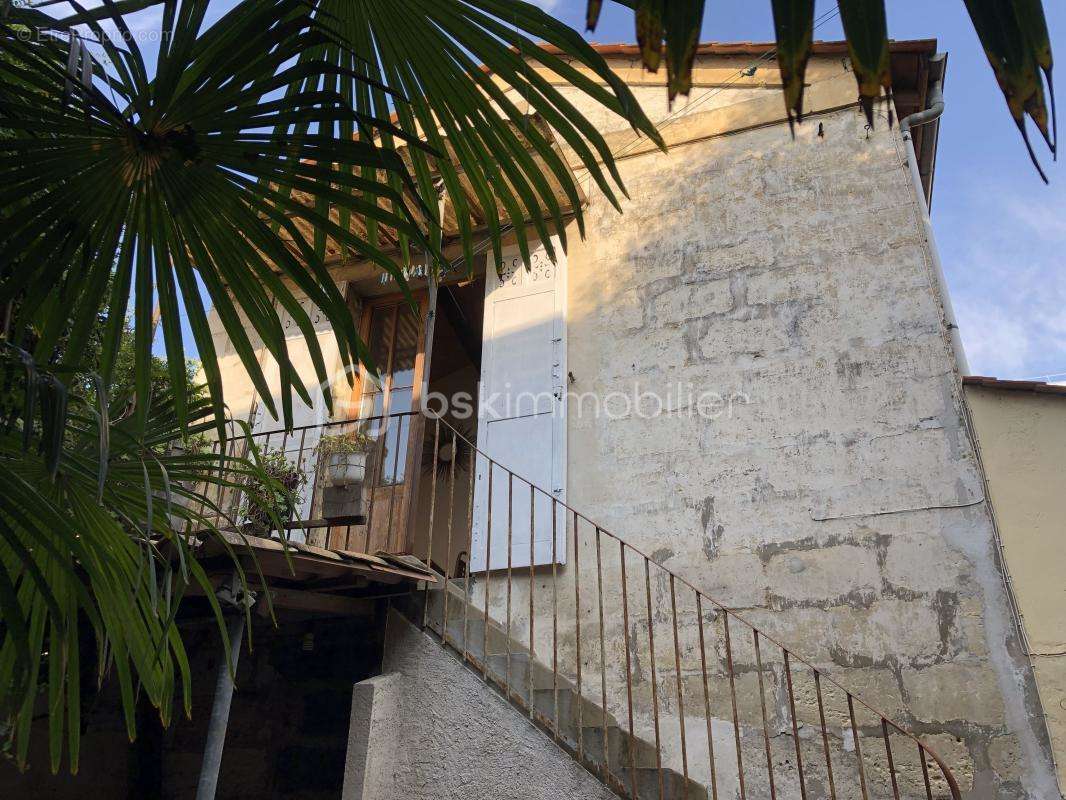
(931, 114)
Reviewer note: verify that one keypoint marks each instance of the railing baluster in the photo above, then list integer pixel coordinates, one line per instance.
(555, 618)
(629, 673)
(467, 599)
(603, 662)
(510, 507)
(451, 519)
(286, 534)
(375, 479)
(677, 675)
(706, 699)
(577, 640)
(733, 698)
(795, 728)
(888, 754)
(392, 485)
(654, 678)
(532, 527)
(925, 772)
(765, 729)
(858, 746)
(347, 429)
(432, 517)
(488, 566)
(825, 734)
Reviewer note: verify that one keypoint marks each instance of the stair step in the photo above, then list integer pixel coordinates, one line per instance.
(643, 756)
(674, 785)
(575, 712)
(565, 724)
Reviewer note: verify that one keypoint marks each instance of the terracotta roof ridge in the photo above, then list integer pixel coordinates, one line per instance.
(819, 47)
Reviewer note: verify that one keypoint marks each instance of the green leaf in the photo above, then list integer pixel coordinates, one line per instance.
(1015, 40)
(794, 28)
(866, 30)
(682, 29)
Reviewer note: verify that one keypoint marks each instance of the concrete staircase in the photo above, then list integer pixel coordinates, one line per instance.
(627, 764)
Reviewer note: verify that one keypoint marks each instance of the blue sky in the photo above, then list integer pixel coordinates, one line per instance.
(1001, 232)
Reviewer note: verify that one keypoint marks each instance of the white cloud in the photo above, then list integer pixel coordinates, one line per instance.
(996, 343)
(1005, 255)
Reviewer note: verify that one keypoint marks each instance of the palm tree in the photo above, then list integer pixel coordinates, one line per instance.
(285, 129)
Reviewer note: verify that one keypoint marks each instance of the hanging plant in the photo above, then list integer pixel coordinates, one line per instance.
(343, 457)
(270, 505)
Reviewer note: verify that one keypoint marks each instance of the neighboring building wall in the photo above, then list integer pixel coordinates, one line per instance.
(837, 499)
(1022, 440)
(430, 728)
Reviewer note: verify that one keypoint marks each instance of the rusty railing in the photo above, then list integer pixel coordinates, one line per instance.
(723, 710)
(377, 517)
(655, 687)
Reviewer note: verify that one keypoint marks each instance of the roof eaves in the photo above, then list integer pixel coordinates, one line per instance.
(1039, 387)
(819, 48)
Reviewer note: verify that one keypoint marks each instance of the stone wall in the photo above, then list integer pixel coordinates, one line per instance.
(834, 498)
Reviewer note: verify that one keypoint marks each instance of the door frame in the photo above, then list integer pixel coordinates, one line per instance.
(401, 537)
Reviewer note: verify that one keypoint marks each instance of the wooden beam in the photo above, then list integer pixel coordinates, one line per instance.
(316, 603)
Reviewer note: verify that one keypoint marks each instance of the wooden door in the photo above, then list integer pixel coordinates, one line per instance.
(395, 335)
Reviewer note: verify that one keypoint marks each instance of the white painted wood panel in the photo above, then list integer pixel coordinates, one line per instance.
(522, 413)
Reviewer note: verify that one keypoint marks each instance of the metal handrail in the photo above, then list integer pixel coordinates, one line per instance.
(626, 553)
(820, 677)
(230, 500)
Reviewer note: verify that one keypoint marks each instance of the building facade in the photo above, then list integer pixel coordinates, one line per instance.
(702, 494)
(748, 377)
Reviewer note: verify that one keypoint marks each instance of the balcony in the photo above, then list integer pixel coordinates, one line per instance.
(352, 483)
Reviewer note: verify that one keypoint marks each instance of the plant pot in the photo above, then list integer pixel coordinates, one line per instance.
(344, 469)
(342, 502)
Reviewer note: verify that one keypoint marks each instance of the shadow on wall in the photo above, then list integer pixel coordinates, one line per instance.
(836, 506)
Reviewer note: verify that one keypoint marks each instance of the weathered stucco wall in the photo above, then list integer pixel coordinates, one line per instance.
(835, 498)
(437, 731)
(1022, 436)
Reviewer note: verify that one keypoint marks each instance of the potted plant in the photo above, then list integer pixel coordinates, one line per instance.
(264, 504)
(343, 457)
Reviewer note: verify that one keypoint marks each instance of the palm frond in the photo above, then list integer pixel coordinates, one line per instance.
(1014, 35)
(79, 554)
(182, 177)
(468, 73)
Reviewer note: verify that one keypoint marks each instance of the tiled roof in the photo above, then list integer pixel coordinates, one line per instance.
(755, 48)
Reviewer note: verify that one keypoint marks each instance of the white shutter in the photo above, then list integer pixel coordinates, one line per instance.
(522, 410)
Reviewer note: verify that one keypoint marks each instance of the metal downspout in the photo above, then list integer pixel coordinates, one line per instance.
(932, 114)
